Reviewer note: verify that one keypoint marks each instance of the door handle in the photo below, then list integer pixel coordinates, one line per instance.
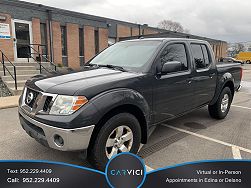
(189, 81)
(211, 75)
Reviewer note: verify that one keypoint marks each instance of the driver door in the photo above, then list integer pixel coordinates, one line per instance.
(173, 92)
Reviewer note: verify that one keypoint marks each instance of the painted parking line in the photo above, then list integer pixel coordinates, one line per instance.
(244, 107)
(235, 148)
(236, 152)
(148, 169)
(244, 92)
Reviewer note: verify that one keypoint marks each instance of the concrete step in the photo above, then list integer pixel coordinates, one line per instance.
(25, 70)
(45, 64)
(19, 77)
(10, 68)
(11, 84)
(20, 64)
(21, 72)
(16, 92)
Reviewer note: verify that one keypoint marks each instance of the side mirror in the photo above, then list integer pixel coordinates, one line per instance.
(171, 66)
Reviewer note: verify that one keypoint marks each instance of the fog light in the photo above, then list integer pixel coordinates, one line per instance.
(58, 140)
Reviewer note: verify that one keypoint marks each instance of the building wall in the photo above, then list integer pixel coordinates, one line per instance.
(219, 49)
(7, 45)
(107, 28)
(89, 43)
(73, 45)
(48, 40)
(149, 31)
(103, 38)
(126, 31)
(123, 31)
(224, 48)
(135, 31)
(57, 46)
(36, 33)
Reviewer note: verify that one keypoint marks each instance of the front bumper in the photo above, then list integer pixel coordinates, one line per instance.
(73, 139)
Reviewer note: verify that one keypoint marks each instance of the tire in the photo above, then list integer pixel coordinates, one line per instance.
(220, 109)
(248, 61)
(98, 151)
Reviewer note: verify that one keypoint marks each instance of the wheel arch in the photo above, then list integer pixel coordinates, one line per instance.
(118, 101)
(126, 108)
(226, 80)
(229, 84)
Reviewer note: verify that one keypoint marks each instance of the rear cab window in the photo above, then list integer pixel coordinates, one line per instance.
(201, 56)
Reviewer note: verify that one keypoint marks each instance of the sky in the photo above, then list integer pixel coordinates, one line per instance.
(228, 20)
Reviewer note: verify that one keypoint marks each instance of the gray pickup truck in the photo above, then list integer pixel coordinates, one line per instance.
(130, 87)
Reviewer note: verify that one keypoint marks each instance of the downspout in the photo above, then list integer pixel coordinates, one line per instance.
(139, 31)
(50, 35)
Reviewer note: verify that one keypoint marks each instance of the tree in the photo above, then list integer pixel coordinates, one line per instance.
(235, 49)
(240, 47)
(172, 26)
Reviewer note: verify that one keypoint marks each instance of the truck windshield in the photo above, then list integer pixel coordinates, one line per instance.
(130, 55)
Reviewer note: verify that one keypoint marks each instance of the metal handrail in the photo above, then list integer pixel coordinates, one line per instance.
(37, 52)
(5, 68)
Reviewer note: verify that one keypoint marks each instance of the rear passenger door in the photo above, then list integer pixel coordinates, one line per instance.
(204, 77)
(173, 92)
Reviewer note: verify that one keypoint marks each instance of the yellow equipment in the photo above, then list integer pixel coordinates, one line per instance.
(244, 56)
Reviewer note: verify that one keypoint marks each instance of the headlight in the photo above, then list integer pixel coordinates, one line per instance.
(66, 105)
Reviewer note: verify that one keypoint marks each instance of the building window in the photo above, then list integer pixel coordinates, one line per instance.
(81, 42)
(64, 41)
(43, 32)
(96, 36)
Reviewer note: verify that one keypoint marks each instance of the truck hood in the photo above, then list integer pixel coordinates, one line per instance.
(70, 84)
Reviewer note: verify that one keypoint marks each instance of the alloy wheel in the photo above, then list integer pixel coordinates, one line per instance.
(120, 140)
(224, 103)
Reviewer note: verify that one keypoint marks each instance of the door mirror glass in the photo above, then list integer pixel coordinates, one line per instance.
(172, 66)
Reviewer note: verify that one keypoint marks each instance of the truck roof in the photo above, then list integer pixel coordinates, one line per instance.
(166, 39)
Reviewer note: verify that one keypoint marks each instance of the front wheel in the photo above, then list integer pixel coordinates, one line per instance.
(220, 109)
(121, 133)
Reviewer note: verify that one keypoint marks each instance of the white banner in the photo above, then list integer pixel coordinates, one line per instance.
(4, 31)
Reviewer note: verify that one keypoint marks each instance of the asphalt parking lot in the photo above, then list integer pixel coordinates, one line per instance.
(190, 138)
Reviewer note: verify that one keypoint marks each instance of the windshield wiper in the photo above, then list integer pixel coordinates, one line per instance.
(110, 67)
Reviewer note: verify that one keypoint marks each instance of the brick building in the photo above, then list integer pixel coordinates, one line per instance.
(66, 37)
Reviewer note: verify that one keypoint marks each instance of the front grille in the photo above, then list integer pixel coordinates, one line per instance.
(47, 103)
(31, 97)
(37, 102)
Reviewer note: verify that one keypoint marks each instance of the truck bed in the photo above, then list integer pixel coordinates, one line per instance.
(232, 68)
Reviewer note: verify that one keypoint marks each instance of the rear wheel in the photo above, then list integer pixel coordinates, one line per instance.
(220, 109)
(248, 61)
(121, 133)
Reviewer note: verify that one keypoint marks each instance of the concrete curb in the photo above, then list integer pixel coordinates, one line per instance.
(9, 102)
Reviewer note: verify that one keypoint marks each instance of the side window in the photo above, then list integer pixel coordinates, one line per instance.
(200, 55)
(205, 54)
(175, 52)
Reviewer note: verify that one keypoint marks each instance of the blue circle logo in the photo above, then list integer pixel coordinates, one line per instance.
(125, 170)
